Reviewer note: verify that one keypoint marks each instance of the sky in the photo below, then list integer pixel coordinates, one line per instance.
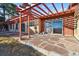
(58, 6)
(54, 24)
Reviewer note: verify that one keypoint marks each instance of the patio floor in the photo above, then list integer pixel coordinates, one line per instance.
(50, 44)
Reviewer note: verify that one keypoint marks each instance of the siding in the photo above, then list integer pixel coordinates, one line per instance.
(76, 30)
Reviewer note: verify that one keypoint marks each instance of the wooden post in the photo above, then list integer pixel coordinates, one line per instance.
(20, 18)
(28, 27)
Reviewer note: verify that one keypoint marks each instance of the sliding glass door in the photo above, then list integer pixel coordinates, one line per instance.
(57, 26)
(48, 26)
(54, 26)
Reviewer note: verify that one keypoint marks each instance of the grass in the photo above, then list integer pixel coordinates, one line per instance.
(11, 47)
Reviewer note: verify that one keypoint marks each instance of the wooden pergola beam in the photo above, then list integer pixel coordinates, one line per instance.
(35, 13)
(42, 9)
(47, 8)
(31, 7)
(62, 7)
(38, 12)
(35, 17)
(59, 15)
(28, 27)
(55, 7)
(20, 19)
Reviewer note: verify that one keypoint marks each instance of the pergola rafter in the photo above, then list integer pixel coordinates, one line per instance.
(59, 15)
(38, 12)
(35, 13)
(62, 7)
(31, 7)
(55, 7)
(42, 9)
(45, 14)
(47, 8)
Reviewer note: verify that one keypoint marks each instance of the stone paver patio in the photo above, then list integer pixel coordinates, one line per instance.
(50, 44)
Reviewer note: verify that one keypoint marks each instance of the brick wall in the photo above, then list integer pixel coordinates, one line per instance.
(68, 32)
(68, 26)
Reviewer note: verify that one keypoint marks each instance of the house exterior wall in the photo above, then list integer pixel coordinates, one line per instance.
(67, 31)
(11, 27)
(32, 28)
(68, 26)
(76, 30)
(16, 30)
(40, 27)
(37, 29)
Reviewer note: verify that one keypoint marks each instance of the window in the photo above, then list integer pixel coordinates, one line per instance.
(23, 27)
(10, 26)
(16, 25)
(13, 26)
(31, 23)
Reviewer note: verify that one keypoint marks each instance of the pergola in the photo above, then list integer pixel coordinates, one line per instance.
(44, 11)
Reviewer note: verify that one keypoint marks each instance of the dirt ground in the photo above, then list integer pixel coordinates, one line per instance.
(11, 47)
